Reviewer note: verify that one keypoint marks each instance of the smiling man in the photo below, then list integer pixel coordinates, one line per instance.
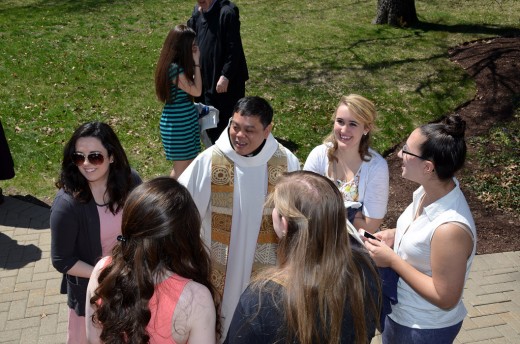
(230, 182)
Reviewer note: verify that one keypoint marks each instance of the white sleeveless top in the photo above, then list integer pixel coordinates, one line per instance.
(413, 244)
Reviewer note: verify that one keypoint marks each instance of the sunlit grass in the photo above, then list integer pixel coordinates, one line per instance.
(495, 176)
(63, 63)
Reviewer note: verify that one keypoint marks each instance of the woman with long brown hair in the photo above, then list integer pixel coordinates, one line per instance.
(94, 183)
(177, 81)
(323, 290)
(156, 287)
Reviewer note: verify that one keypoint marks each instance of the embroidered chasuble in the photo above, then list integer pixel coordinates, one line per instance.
(222, 180)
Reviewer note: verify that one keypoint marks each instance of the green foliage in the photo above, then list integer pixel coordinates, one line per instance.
(496, 176)
(63, 63)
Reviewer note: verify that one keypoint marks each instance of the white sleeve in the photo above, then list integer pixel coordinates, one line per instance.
(317, 160)
(375, 199)
(197, 179)
(293, 164)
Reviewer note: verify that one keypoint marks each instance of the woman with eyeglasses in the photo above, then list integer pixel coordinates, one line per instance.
(434, 242)
(346, 158)
(85, 221)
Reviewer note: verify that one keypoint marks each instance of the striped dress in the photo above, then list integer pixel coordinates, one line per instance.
(179, 123)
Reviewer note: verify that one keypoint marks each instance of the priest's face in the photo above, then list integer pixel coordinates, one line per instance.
(247, 133)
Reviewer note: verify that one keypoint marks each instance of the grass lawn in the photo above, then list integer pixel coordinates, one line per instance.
(63, 63)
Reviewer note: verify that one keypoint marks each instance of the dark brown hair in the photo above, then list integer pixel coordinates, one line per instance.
(445, 145)
(161, 227)
(119, 183)
(178, 49)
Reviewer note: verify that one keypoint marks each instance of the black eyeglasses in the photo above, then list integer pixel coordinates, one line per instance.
(94, 158)
(405, 151)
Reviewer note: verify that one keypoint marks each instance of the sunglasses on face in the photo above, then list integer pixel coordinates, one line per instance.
(405, 151)
(94, 158)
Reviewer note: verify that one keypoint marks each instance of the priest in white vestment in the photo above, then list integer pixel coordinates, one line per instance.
(229, 183)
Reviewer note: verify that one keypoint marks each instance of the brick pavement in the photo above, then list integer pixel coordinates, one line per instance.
(31, 308)
(33, 311)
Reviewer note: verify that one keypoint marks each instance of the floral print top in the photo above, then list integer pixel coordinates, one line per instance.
(349, 189)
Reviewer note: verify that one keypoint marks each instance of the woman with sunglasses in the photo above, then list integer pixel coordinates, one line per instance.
(323, 290)
(85, 221)
(434, 242)
(345, 157)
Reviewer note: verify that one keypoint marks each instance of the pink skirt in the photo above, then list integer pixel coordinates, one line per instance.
(77, 333)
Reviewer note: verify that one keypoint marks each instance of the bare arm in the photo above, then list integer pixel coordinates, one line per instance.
(450, 248)
(194, 316)
(192, 88)
(93, 331)
(367, 223)
(81, 269)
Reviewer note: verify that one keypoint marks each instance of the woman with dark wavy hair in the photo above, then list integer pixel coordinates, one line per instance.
(85, 220)
(323, 290)
(156, 287)
(434, 242)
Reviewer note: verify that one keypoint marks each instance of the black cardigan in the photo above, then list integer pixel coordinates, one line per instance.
(75, 236)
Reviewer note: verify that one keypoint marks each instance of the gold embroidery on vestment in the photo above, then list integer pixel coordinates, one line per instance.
(222, 187)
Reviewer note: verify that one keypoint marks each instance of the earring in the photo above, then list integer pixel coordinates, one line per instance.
(365, 134)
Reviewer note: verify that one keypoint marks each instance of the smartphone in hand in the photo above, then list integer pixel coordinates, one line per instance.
(368, 234)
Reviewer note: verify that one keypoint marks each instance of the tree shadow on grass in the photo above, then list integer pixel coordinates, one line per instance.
(493, 30)
(290, 145)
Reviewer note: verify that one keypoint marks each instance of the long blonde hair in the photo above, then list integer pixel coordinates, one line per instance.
(320, 272)
(364, 111)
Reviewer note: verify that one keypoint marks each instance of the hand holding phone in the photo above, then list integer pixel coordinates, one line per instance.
(368, 234)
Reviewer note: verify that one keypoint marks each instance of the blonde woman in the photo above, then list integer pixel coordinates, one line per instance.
(345, 157)
(323, 290)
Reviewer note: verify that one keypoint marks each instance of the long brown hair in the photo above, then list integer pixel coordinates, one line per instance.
(178, 49)
(320, 272)
(365, 112)
(161, 227)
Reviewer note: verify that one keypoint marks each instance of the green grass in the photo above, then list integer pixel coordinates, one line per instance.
(495, 176)
(63, 63)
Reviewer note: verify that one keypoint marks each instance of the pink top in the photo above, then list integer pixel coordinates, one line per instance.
(162, 305)
(110, 228)
(167, 293)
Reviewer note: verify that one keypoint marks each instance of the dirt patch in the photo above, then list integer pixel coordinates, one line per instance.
(494, 64)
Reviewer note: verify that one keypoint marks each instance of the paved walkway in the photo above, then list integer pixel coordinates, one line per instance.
(33, 311)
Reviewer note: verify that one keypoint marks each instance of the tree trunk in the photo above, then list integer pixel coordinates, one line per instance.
(399, 13)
